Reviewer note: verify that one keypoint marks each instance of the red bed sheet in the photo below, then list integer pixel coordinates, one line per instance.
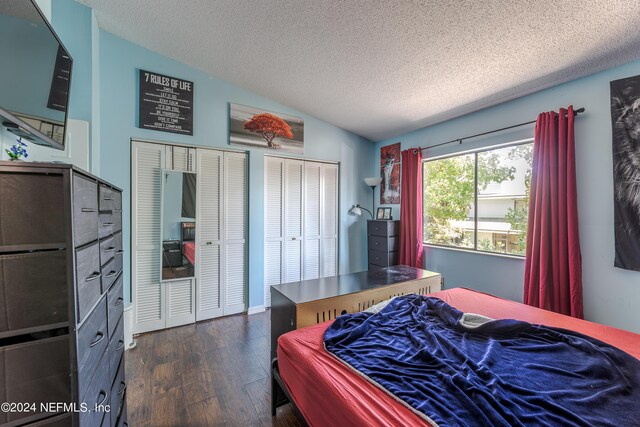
(189, 251)
(329, 393)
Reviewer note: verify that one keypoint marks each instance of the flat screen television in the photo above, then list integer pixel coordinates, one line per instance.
(35, 75)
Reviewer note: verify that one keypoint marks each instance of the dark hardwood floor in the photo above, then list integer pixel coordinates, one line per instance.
(206, 374)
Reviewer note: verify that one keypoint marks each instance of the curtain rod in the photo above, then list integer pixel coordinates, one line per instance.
(459, 140)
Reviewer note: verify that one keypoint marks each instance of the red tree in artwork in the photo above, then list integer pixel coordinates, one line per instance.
(269, 127)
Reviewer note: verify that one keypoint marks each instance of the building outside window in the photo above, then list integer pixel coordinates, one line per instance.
(479, 200)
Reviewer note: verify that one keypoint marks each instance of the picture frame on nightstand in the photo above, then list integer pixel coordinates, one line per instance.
(384, 213)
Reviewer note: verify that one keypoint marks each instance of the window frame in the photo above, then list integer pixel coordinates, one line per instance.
(475, 152)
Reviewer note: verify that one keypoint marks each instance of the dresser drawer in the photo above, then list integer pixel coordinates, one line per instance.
(116, 305)
(35, 372)
(109, 275)
(32, 209)
(117, 200)
(63, 420)
(107, 250)
(383, 228)
(97, 395)
(116, 217)
(25, 303)
(107, 198)
(385, 244)
(85, 210)
(105, 226)
(116, 346)
(383, 259)
(122, 420)
(117, 393)
(119, 252)
(92, 343)
(88, 278)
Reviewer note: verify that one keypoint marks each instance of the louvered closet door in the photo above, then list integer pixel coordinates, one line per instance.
(329, 228)
(235, 233)
(180, 302)
(148, 293)
(273, 223)
(180, 158)
(312, 220)
(208, 234)
(293, 208)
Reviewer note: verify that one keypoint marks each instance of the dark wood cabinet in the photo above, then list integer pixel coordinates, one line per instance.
(61, 302)
(383, 240)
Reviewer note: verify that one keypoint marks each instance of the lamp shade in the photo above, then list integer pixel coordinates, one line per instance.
(355, 210)
(373, 182)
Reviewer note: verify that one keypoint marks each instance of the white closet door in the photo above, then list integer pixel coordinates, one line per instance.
(293, 195)
(180, 302)
(329, 228)
(273, 224)
(180, 158)
(312, 220)
(148, 293)
(208, 234)
(235, 233)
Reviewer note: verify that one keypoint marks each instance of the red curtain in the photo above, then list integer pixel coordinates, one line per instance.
(553, 266)
(411, 209)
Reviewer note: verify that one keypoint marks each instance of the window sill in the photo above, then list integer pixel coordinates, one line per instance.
(473, 251)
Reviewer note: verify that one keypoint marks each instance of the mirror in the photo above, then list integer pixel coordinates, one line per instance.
(178, 225)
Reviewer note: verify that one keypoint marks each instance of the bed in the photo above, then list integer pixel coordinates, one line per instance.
(326, 392)
(188, 237)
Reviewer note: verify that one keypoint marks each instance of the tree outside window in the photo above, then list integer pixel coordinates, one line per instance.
(502, 190)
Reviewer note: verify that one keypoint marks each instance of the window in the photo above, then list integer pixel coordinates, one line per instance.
(479, 200)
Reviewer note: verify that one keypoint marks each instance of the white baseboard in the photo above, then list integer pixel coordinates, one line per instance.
(255, 310)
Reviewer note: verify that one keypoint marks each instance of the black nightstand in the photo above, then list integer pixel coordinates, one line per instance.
(171, 253)
(383, 243)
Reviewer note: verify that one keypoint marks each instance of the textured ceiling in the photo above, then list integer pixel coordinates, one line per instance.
(383, 68)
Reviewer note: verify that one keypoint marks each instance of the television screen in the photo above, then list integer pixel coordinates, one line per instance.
(35, 75)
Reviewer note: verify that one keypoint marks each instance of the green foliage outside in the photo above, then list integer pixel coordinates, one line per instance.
(450, 192)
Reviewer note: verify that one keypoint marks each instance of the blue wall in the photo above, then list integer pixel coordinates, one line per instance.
(104, 93)
(611, 295)
(119, 61)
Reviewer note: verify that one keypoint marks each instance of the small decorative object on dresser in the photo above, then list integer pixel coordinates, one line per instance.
(61, 329)
(383, 242)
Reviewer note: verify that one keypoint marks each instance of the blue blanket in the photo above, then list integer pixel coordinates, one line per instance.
(496, 373)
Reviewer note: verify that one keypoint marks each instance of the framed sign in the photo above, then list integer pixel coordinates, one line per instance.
(165, 103)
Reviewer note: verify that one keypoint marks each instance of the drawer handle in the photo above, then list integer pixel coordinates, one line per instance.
(95, 275)
(87, 210)
(173, 250)
(104, 399)
(110, 274)
(107, 198)
(124, 387)
(118, 301)
(120, 345)
(99, 337)
(107, 224)
(110, 249)
(119, 251)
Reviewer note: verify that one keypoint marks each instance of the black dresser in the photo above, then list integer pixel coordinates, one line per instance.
(383, 242)
(61, 301)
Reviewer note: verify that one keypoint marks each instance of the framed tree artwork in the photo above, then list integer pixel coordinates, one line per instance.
(390, 174)
(252, 127)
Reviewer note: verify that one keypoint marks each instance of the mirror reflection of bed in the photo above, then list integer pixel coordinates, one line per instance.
(178, 225)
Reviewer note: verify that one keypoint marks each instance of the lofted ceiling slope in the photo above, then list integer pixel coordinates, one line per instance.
(384, 68)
